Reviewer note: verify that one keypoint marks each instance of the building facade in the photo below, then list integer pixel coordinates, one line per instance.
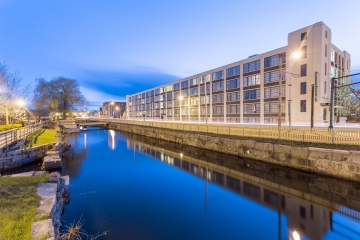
(247, 91)
(113, 109)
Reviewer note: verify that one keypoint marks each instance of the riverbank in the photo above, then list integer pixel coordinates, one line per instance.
(337, 163)
(18, 204)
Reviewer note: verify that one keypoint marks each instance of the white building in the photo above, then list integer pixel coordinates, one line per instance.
(247, 91)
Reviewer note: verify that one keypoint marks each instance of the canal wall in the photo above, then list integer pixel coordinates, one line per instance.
(14, 159)
(337, 163)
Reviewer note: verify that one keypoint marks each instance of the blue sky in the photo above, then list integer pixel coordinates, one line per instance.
(114, 48)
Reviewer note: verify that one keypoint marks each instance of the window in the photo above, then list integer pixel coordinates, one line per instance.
(168, 88)
(324, 87)
(185, 93)
(152, 93)
(303, 70)
(184, 84)
(202, 89)
(202, 100)
(303, 36)
(233, 71)
(304, 52)
(252, 66)
(234, 96)
(218, 75)
(273, 92)
(303, 88)
(325, 69)
(218, 87)
(194, 101)
(176, 86)
(252, 94)
(169, 96)
(231, 84)
(347, 64)
(325, 50)
(231, 109)
(302, 105)
(218, 110)
(205, 78)
(218, 98)
(273, 76)
(332, 55)
(252, 80)
(274, 60)
(252, 108)
(194, 81)
(193, 91)
(326, 33)
(272, 107)
(302, 212)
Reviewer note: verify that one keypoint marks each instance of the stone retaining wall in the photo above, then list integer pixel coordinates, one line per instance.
(336, 163)
(19, 158)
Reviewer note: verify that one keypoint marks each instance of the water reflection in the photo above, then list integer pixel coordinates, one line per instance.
(314, 206)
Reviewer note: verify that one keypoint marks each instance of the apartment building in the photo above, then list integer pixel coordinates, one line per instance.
(247, 91)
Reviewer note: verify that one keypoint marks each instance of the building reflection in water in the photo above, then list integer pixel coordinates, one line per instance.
(111, 139)
(308, 215)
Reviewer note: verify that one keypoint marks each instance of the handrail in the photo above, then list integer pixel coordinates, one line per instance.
(349, 136)
(9, 137)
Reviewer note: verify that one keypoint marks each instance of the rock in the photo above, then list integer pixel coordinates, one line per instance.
(54, 177)
(66, 180)
(40, 173)
(42, 230)
(52, 162)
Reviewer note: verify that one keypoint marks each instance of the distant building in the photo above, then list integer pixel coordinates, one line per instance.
(113, 109)
(247, 91)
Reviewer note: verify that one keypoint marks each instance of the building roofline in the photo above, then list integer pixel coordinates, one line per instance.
(251, 59)
(318, 23)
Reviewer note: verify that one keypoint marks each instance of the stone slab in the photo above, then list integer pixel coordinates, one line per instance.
(47, 193)
(47, 190)
(52, 162)
(24, 174)
(66, 179)
(51, 153)
(42, 230)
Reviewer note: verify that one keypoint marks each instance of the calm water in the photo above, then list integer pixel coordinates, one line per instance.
(141, 188)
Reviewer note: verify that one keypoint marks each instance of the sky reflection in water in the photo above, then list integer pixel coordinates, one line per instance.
(138, 188)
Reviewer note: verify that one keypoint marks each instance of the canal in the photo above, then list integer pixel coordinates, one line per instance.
(141, 188)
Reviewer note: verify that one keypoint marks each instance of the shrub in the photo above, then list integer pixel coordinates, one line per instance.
(10, 126)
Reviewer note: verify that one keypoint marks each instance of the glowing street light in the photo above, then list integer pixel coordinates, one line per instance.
(21, 103)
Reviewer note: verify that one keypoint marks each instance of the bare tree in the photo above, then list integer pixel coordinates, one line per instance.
(59, 94)
(12, 92)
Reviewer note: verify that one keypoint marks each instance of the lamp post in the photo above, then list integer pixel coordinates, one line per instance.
(295, 55)
(180, 98)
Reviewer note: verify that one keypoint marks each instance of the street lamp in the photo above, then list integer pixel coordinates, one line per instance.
(295, 55)
(180, 98)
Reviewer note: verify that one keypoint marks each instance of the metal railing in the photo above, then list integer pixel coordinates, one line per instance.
(349, 136)
(10, 137)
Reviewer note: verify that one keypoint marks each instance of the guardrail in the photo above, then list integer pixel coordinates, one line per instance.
(10, 137)
(349, 136)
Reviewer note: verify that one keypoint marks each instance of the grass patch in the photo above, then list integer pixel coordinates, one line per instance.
(9, 127)
(41, 136)
(18, 203)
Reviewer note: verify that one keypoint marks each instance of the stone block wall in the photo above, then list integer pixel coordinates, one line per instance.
(19, 158)
(336, 163)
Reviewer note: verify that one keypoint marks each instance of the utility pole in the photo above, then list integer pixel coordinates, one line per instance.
(312, 105)
(332, 99)
(280, 87)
